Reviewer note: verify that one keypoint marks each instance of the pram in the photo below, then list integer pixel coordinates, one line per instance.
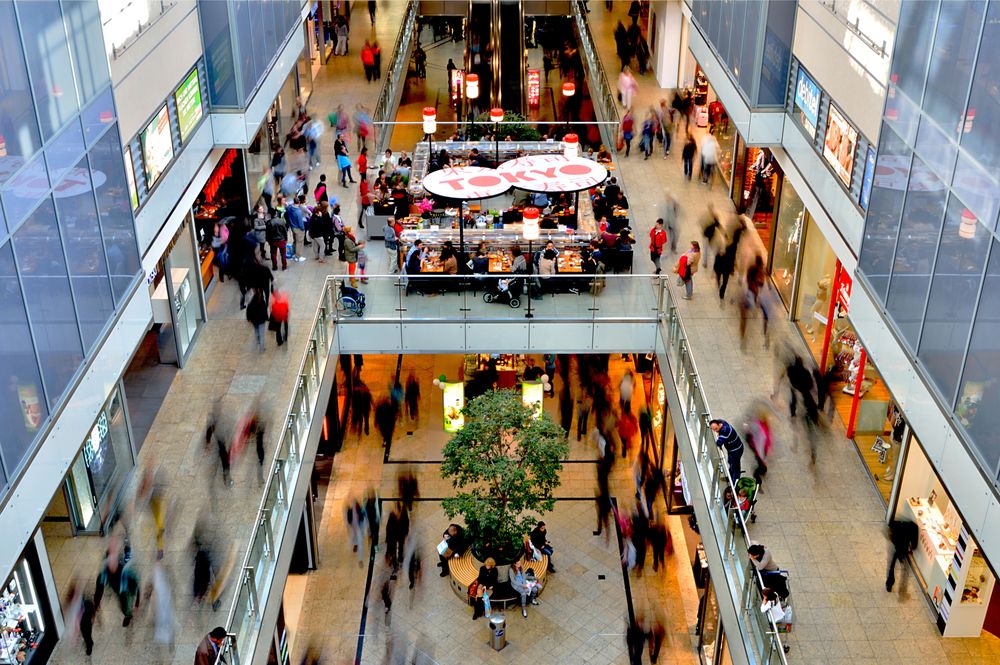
(351, 301)
(750, 486)
(504, 290)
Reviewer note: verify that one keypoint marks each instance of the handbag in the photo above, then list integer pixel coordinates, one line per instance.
(274, 325)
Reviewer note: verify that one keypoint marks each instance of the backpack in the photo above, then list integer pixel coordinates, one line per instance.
(338, 224)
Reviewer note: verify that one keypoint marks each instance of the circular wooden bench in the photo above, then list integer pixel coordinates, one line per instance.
(465, 569)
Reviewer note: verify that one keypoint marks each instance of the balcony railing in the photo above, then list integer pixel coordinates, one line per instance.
(395, 76)
(256, 574)
(601, 93)
(729, 526)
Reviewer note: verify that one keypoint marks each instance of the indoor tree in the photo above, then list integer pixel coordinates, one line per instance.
(505, 464)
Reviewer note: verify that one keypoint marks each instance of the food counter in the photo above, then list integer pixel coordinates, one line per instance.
(936, 544)
(498, 245)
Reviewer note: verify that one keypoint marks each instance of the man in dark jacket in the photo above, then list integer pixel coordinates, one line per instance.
(277, 238)
(540, 539)
(208, 649)
(726, 437)
(903, 534)
(454, 537)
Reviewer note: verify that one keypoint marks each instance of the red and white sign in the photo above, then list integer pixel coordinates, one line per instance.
(534, 88)
(552, 173)
(465, 183)
(457, 84)
(844, 291)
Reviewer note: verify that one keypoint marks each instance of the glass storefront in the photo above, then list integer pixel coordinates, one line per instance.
(757, 179)
(790, 223)
(223, 197)
(26, 634)
(97, 476)
(815, 286)
(950, 568)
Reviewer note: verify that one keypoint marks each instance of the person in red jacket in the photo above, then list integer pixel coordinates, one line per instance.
(279, 316)
(363, 164)
(657, 239)
(368, 60)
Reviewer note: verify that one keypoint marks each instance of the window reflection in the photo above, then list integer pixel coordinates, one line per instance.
(115, 210)
(915, 250)
(982, 137)
(49, 302)
(951, 62)
(22, 402)
(88, 268)
(90, 65)
(47, 54)
(17, 117)
(954, 289)
(892, 172)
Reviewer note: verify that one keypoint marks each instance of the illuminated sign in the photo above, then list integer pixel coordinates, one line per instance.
(552, 173)
(534, 88)
(465, 182)
(844, 291)
(457, 85)
(188, 99)
(807, 102)
(532, 393)
(866, 184)
(839, 145)
(454, 402)
(157, 146)
(133, 195)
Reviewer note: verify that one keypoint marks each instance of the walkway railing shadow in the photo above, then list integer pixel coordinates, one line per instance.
(729, 526)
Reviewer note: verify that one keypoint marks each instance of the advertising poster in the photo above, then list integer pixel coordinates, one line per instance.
(133, 194)
(807, 102)
(188, 99)
(30, 407)
(454, 402)
(839, 145)
(532, 394)
(534, 88)
(157, 146)
(866, 184)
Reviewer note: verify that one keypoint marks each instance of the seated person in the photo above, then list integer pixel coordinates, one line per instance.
(540, 200)
(547, 267)
(539, 538)
(449, 266)
(487, 580)
(476, 158)
(480, 263)
(524, 583)
(603, 154)
(532, 372)
(454, 538)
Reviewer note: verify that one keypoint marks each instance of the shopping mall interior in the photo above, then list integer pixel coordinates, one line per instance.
(314, 310)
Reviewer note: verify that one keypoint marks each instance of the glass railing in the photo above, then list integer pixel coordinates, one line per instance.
(729, 526)
(563, 297)
(256, 574)
(601, 93)
(395, 76)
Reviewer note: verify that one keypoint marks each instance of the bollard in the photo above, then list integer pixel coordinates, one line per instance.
(498, 632)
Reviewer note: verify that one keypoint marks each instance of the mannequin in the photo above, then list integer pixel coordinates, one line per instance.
(821, 306)
(852, 373)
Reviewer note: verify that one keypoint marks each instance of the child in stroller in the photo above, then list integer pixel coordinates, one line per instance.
(504, 290)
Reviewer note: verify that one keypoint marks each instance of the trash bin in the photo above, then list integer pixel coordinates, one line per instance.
(498, 632)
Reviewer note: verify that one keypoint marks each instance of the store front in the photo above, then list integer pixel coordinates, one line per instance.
(222, 198)
(93, 486)
(177, 296)
(950, 567)
(27, 629)
(789, 224)
(709, 113)
(756, 183)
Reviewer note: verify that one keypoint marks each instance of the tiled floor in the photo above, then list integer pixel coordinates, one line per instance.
(226, 364)
(826, 526)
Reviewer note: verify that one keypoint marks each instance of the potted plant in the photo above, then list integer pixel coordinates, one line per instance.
(504, 464)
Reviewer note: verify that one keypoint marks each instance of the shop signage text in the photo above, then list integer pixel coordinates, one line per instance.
(552, 173)
(807, 102)
(534, 88)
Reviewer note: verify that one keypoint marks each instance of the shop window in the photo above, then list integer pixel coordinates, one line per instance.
(107, 171)
(816, 285)
(952, 301)
(751, 27)
(884, 211)
(219, 61)
(48, 299)
(18, 126)
(23, 408)
(777, 55)
(916, 248)
(787, 235)
(981, 134)
(47, 51)
(24, 625)
(978, 407)
(88, 266)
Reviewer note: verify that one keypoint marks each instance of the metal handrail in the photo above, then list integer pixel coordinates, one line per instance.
(690, 374)
(393, 78)
(608, 103)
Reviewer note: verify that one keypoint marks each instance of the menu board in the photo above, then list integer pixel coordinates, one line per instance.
(188, 99)
(157, 146)
(133, 195)
(807, 102)
(454, 402)
(839, 145)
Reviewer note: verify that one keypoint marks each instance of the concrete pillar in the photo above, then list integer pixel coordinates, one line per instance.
(666, 19)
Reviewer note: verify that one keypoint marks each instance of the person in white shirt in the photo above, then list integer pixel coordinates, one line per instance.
(709, 157)
(388, 162)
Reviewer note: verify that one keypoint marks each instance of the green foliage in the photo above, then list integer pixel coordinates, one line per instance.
(517, 132)
(505, 464)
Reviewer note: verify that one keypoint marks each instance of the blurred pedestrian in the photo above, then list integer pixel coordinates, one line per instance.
(385, 420)
(162, 600)
(566, 409)
(81, 612)
(257, 315)
(119, 574)
(408, 488)
(686, 267)
(625, 388)
(412, 396)
(584, 405)
(361, 408)
(279, 316)
(635, 640)
(355, 524)
(903, 536)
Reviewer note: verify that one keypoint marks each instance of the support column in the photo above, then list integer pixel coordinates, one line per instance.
(669, 47)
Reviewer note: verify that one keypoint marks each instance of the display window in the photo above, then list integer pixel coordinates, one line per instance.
(756, 181)
(26, 635)
(817, 269)
(950, 567)
(788, 228)
(223, 199)
(97, 476)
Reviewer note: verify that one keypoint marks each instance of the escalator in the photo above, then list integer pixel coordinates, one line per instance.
(495, 51)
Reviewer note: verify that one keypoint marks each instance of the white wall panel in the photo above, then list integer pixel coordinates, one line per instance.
(148, 70)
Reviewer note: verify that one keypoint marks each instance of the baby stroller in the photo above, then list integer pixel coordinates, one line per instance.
(504, 290)
(750, 486)
(351, 301)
